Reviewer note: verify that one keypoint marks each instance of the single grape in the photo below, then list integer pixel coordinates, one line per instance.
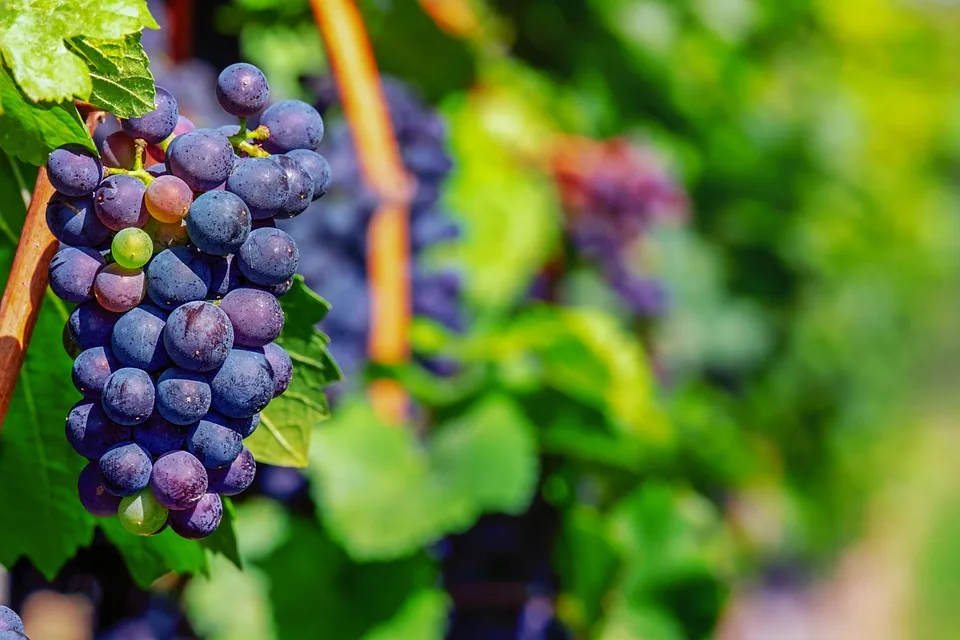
(198, 336)
(119, 202)
(118, 151)
(183, 397)
(166, 235)
(69, 345)
(73, 272)
(156, 170)
(224, 275)
(91, 370)
(430, 228)
(10, 621)
(159, 436)
(202, 158)
(178, 480)
(301, 187)
(244, 426)
(277, 290)
(268, 257)
(262, 184)
(229, 130)
(126, 469)
(137, 339)
(218, 222)
(156, 125)
(293, 124)
(93, 492)
(90, 325)
(316, 167)
(176, 276)
(74, 221)
(243, 385)
(242, 90)
(200, 520)
(131, 248)
(168, 199)
(158, 152)
(74, 170)
(90, 432)
(118, 289)
(141, 514)
(234, 478)
(128, 396)
(282, 367)
(215, 445)
(256, 316)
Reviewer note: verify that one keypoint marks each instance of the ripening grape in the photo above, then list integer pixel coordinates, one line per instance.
(242, 90)
(282, 367)
(73, 272)
(256, 316)
(301, 187)
(118, 289)
(202, 158)
(74, 170)
(183, 397)
(131, 248)
(178, 480)
(137, 338)
(168, 199)
(200, 520)
(93, 492)
(268, 257)
(235, 477)
(293, 124)
(119, 202)
(126, 469)
(214, 445)
(243, 385)
(74, 221)
(156, 125)
(159, 436)
(128, 396)
(90, 432)
(316, 167)
(141, 514)
(91, 370)
(198, 336)
(176, 276)
(262, 184)
(218, 222)
(166, 235)
(90, 325)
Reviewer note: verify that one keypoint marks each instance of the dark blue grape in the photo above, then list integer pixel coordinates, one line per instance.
(137, 339)
(301, 188)
(10, 621)
(126, 469)
(215, 445)
(156, 170)
(235, 478)
(242, 90)
(93, 493)
(202, 158)
(277, 290)
(118, 151)
(218, 222)
(92, 368)
(268, 257)
(282, 367)
(262, 184)
(74, 221)
(119, 202)
(159, 436)
(229, 130)
(256, 316)
(69, 345)
(243, 385)
(224, 275)
(183, 397)
(200, 520)
(128, 396)
(90, 325)
(90, 432)
(198, 336)
(176, 276)
(73, 272)
(293, 124)
(430, 228)
(316, 167)
(74, 170)
(178, 480)
(243, 426)
(157, 125)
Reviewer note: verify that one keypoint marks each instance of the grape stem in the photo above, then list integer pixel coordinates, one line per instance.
(141, 173)
(239, 140)
(388, 260)
(27, 284)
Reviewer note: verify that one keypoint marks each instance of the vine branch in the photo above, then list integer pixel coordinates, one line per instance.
(388, 259)
(27, 283)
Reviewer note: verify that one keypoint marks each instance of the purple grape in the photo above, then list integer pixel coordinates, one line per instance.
(214, 444)
(235, 478)
(128, 396)
(242, 90)
(157, 125)
(218, 222)
(301, 188)
(224, 275)
(119, 202)
(178, 480)
(10, 621)
(277, 290)
(93, 493)
(177, 275)
(126, 469)
(90, 432)
(268, 257)
(183, 397)
(293, 124)
(243, 385)
(198, 336)
(156, 170)
(256, 316)
(159, 436)
(73, 272)
(92, 368)
(69, 345)
(262, 183)
(200, 520)
(74, 170)
(90, 325)
(74, 221)
(118, 289)
(316, 167)
(202, 158)
(137, 339)
(282, 367)
(118, 151)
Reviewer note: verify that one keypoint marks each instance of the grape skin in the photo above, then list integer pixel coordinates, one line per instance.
(131, 248)
(168, 199)
(74, 221)
(218, 222)
(178, 480)
(293, 124)
(126, 469)
(74, 170)
(183, 397)
(141, 514)
(91, 370)
(137, 338)
(262, 184)
(155, 126)
(90, 325)
(268, 257)
(118, 151)
(159, 436)
(214, 445)
(177, 276)
(118, 289)
(119, 202)
(90, 432)
(10, 621)
(200, 520)
(198, 336)
(316, 167)
(282, 367)
(243, 426)
(234, 478)
(93, 493)
(301, 188)
(242, 90)
(166, 235)
(256, 316)
(202, 158)
(158, 152)
(73, 272)
(243, 385)
(224, 276)
(128, 396)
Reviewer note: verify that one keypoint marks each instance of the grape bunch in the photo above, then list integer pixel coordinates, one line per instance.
(175, 269)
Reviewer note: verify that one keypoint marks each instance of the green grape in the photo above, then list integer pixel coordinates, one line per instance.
(166, 235)
(132, 248)
(141, 514)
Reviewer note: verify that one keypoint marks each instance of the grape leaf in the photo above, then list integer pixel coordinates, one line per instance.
(368, 477)
(283, 437)
(30, 131)
(122, 82)
(423, 616)
(148, 558)
(224, 539)
(33, 35)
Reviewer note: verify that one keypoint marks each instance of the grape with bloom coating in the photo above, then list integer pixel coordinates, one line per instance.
(159, 436)
(90, 432)
(74, 170)
(183, 397)
(91, 370)
(214, 445)
(158, 152)
(268, 257)
(293, 124)
(242, 90)
(73, 272)
(118, 289)
(234, 478)
(90, 325)
(218, 222)
(243, 385)
(141, 514)
(155, 125)
(224, 275)
(168, 199)
(137, 338)
(131, 248)
(126, 469)
(10, 621)
(128, 396)
(74, 221)
(316, 167)
(178, 480)
(301, 188)
(256, 316)
(282, 367)
(262, 184)
(176, 276)
(202, 158)
(200, 520)
(93, 493)
(198, 336)
(119, 202)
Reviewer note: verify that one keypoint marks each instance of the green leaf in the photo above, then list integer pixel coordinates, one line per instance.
(423, 616)
(31, 131)
(283, 437)
(224, 539)
(119, 69)
(587, 561)
(368, 477)
(33, 35)
(148, 558)
(230, 604)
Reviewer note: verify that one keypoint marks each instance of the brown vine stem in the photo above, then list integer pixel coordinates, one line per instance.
(27, 283)
(388, 261)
